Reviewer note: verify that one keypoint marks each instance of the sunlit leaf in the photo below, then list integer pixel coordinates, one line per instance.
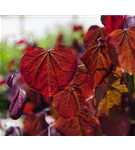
(124, 41)
(113, 97)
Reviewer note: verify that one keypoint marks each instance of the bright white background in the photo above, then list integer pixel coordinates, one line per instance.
(15, 26)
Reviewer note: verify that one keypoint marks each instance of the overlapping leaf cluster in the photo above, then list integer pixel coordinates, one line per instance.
(85, 89)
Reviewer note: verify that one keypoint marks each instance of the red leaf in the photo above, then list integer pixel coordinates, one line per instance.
(60, 39)
(113, 54)
(47, 71)
(2, 82)
(112, 22)
(93, 33)
(35, 125)
(22, 41)
(71, 100)
(17, 104)
(33, 97)
(97, 61)
(11, 64)
(83, 124)
(29, 47)
(29, 107)
(48, 100)
(83, 82)
(77, 28)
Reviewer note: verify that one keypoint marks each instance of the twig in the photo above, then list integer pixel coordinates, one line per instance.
(43, 112)
(42, 132)
(49, 128)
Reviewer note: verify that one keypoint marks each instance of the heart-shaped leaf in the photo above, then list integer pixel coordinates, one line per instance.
(71, 100)
(47, 71)
(93, 33)
(97, 61)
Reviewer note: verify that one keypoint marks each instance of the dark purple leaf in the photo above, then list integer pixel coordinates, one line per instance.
(129, 21)
(13, 131)
(100, 93)
(116, 124)
(17, 104)
(12, 92)
(77, 46)
(12, 78)
(112, 54)
(12, 81)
